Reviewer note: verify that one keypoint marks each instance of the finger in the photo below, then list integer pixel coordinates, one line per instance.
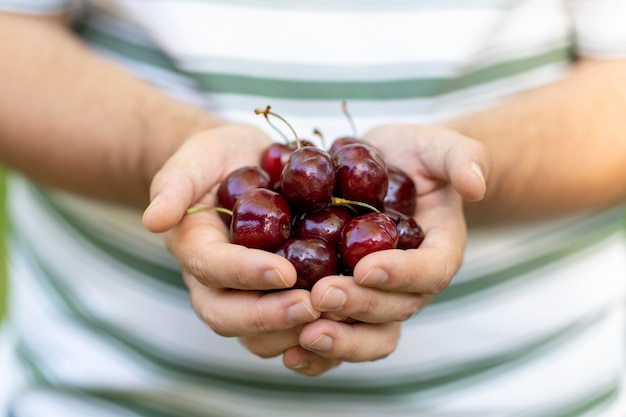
(462, 161)
(201, 246)
(357, 342)
(235, 313)
(272, 344)
(197, 167)
(342, 296)
(308, 363)
(428, 269)
(442, 154)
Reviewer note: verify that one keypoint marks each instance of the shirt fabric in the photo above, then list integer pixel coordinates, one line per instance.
(533, 325)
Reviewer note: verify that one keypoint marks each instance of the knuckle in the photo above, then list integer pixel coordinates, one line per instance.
(219, 327)
(214, 321)
(414, 305)
(387, 347)
(368, 307)
(237, 274)
(444, 279)
(195, 266)
(259, 323)
(352, 353)
(257, 347)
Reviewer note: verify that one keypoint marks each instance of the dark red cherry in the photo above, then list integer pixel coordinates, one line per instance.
(261, 220)
(313, 259)
(274, 159)
(238, 182)
(366, 234)
(410, 233)
(401, 191)
(308, 179)
(361, 174)
(341, 142)
(326, 224)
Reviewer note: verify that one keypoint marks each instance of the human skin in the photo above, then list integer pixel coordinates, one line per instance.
(556, 150)
(133, 144)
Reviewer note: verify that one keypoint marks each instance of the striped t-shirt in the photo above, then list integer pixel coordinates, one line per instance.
(533, 325)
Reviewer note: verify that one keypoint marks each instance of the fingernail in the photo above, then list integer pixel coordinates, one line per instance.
(274, 278)
(479, 173)
(156, 200)
(322, 343)
(300, 313)
(333, 299)
(375, 276)
(300, 365)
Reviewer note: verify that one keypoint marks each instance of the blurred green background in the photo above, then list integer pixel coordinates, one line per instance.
(3, 230)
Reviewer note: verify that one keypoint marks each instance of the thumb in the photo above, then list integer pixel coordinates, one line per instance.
(467, 165)
(443, 155)
(181, 182)
(196, 168)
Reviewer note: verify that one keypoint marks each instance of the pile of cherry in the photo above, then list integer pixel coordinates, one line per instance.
(323, 210)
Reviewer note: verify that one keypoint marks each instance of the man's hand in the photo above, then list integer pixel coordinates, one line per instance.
(215, 270)
(361, 315)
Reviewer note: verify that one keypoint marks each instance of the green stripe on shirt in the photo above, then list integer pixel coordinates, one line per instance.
(263, 384)
(395, 89)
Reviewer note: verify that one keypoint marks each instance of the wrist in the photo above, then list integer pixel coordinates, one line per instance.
(163, 135)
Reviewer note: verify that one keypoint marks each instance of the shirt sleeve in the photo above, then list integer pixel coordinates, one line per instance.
(599, 27)
(36, 7)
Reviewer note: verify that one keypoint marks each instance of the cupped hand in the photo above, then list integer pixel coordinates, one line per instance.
(390, 286)
(393, 285)
(447, 169)
(214, 270)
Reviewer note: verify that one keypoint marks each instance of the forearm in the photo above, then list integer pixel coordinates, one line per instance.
(556, 150)
(71, 120)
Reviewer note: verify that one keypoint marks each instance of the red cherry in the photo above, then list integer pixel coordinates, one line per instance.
(343, 141)
(326, 224)
(313, 259)
(410, 233)
(366, 234)
(308, 179)
(401, 191)
(240, 181)
(361, 174)
(261, 219)
(274, 159)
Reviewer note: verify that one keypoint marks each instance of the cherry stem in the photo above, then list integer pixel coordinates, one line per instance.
(338, 201)
(267, 112)
(318, 133)
(344, 108)
(192, 210)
